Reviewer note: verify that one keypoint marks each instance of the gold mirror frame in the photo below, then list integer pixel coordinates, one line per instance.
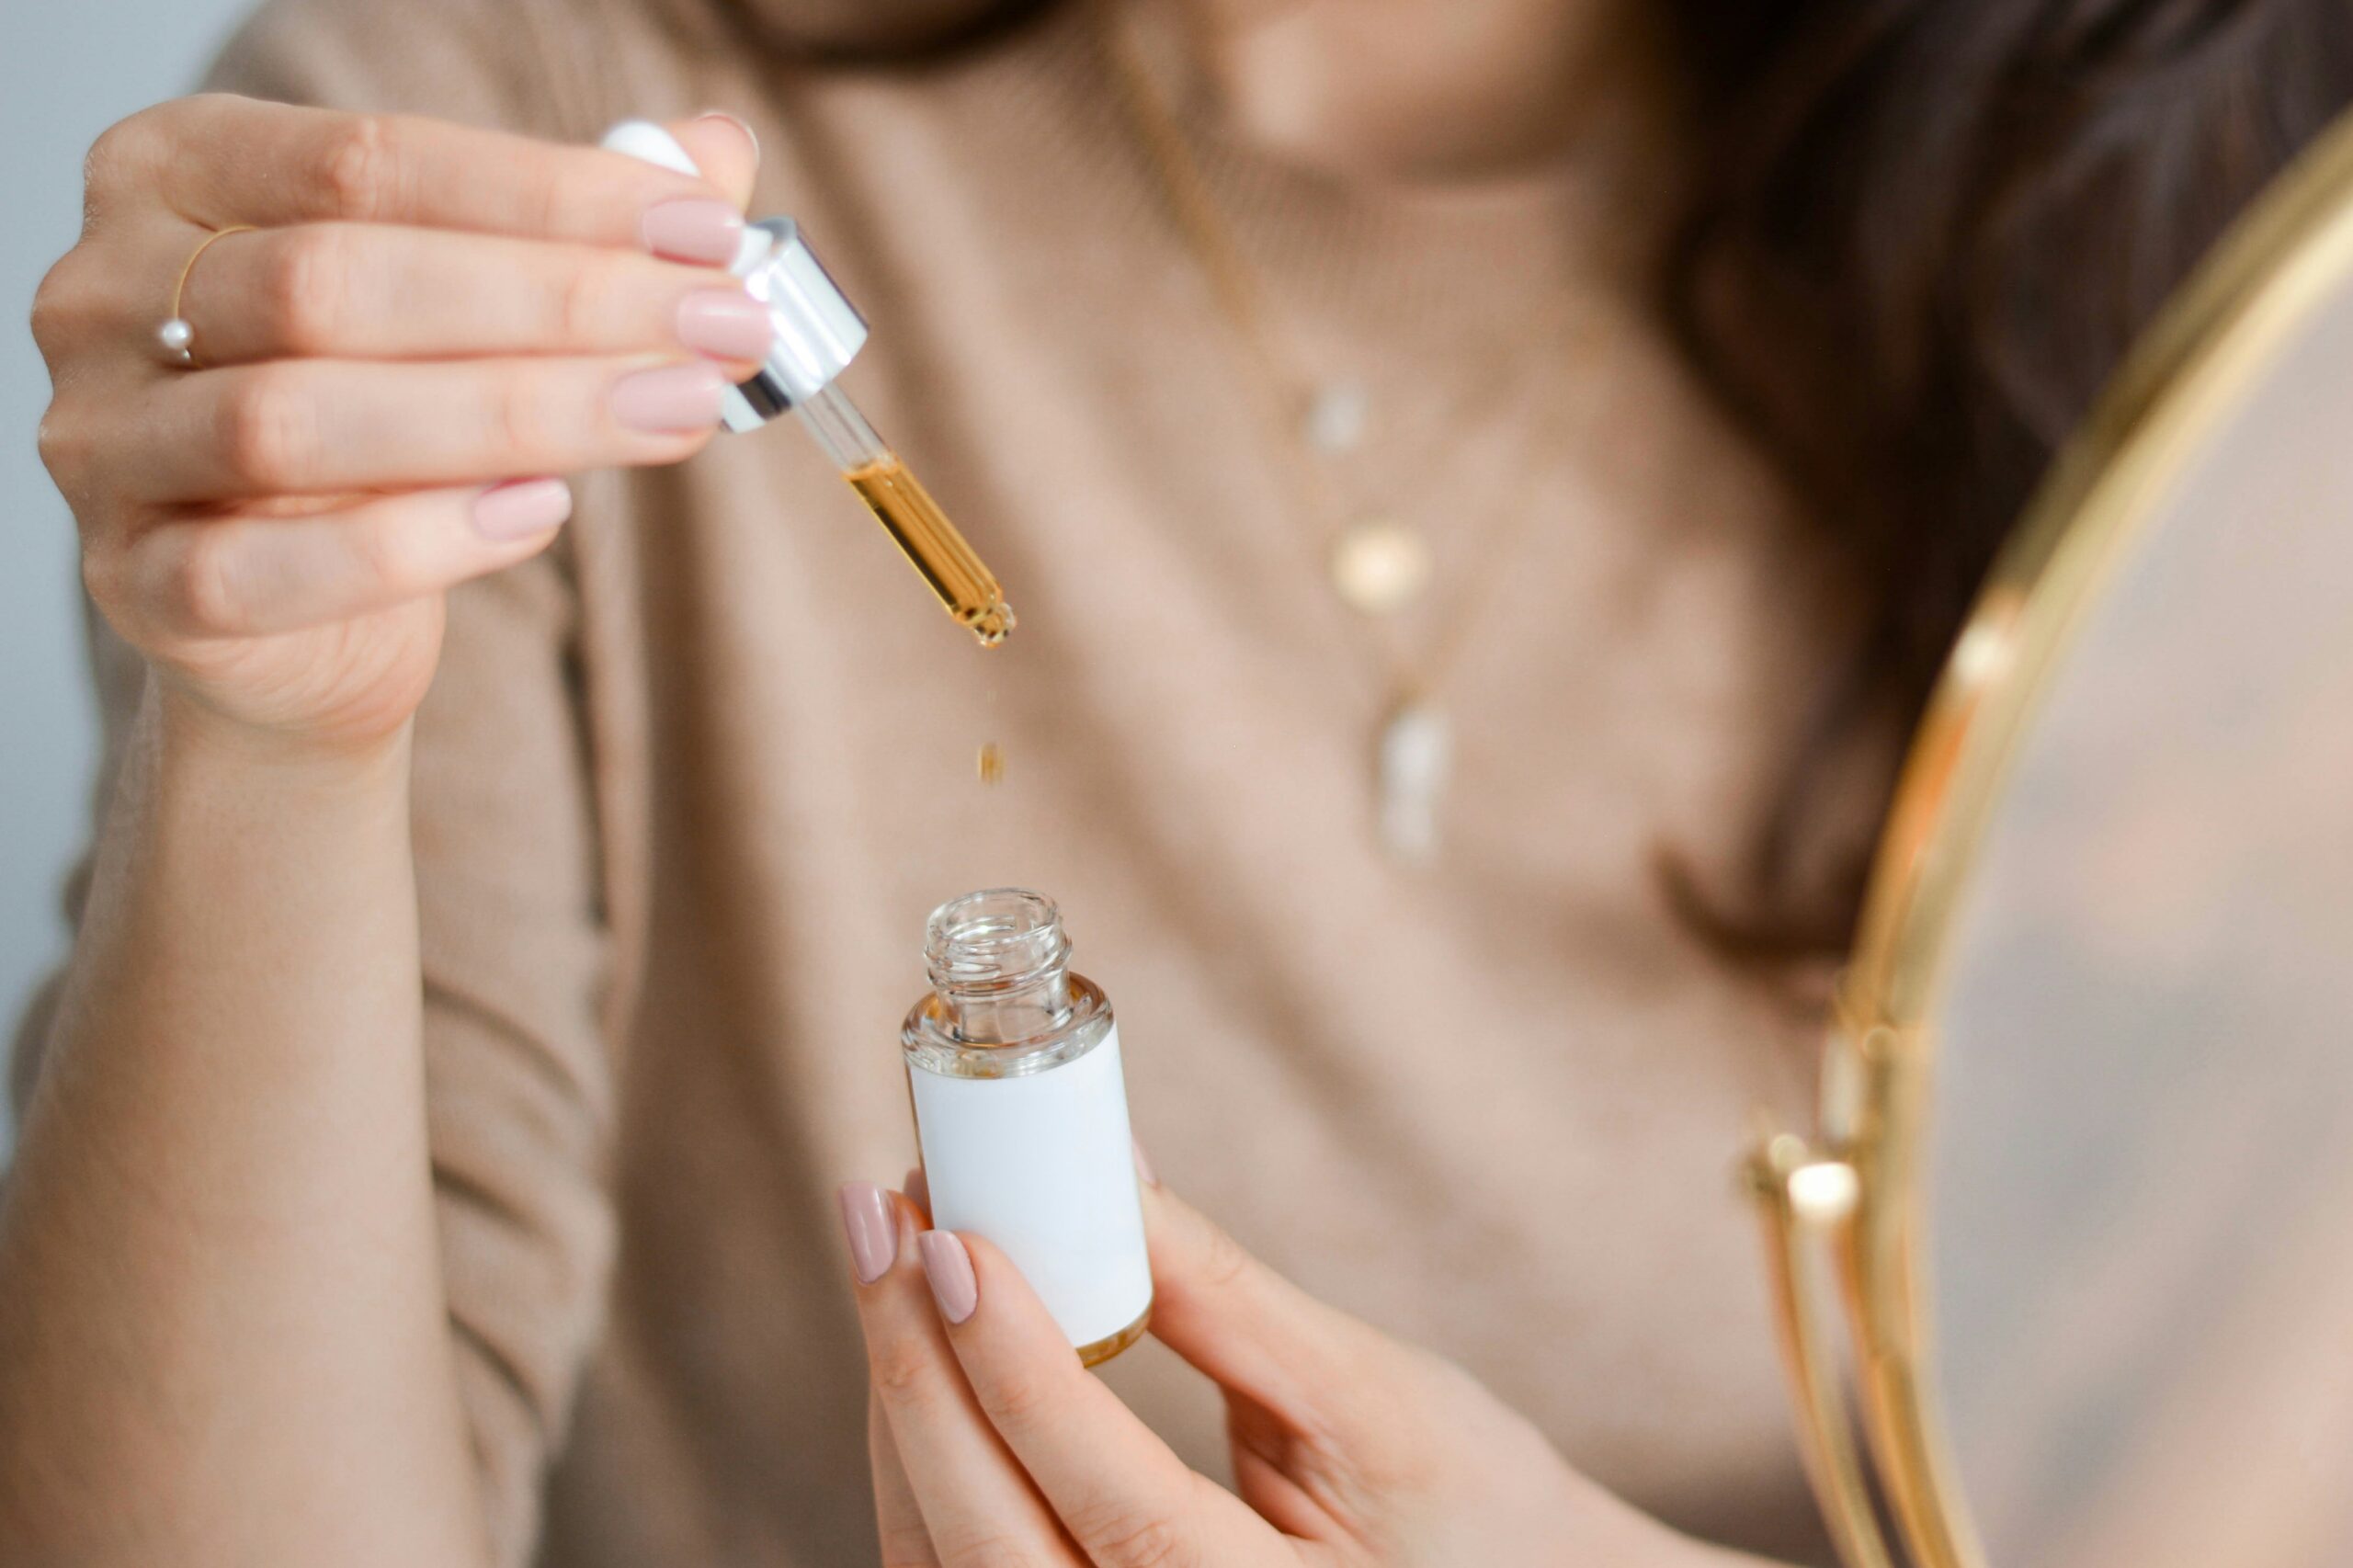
(1844, 1212)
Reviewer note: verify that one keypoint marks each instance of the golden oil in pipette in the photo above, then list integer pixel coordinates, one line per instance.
(933, 548)
(815, 333)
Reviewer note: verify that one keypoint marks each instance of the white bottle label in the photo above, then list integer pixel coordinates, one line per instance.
(1044, 1167)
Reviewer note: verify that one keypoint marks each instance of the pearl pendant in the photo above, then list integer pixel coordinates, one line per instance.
(1338, 414)
(1416, 760)
(179, 339)
(1379, 565)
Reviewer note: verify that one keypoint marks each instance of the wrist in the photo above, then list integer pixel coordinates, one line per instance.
(186, 726)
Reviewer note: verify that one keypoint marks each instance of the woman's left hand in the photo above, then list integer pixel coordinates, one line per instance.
(992, 1446)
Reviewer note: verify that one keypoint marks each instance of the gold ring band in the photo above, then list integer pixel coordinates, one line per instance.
(177, 335)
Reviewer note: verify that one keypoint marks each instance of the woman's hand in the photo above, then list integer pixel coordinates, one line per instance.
(992, 1449)
(426, 321)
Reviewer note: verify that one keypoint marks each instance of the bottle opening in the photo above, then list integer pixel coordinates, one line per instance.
(999, 962)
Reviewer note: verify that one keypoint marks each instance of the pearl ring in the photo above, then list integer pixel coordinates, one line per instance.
(176, 335)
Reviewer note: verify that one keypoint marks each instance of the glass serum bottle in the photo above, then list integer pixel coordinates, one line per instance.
(1021, 1113)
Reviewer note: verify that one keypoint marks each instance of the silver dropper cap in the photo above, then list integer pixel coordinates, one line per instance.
(818, 331)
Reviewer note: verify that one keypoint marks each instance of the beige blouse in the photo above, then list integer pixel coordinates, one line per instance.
(687, 788)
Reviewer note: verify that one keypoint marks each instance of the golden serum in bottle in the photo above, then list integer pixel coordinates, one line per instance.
(1021, 1113)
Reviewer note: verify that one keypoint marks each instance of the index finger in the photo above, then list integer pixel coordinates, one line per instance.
(1121, 1491)
(227, 160)
(969, 1494)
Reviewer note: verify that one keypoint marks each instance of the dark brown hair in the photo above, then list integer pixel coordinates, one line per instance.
(1922, 235)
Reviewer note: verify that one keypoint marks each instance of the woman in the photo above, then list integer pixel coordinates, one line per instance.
(1661, 377)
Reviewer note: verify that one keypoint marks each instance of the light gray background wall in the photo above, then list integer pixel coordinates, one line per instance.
(66, 73)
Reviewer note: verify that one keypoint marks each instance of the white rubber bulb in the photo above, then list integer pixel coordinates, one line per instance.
(643, 139)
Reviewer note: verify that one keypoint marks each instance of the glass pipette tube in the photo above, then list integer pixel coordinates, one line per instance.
(966, 586)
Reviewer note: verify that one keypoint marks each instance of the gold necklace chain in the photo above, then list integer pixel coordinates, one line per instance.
(1241, 297)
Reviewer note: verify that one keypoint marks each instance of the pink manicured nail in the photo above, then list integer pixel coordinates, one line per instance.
(696, 229)
(950, 1268)
(873, 1229)
(521, 507)
(1143, 1165)
(674, 398)
(726, 323)
(749, 135)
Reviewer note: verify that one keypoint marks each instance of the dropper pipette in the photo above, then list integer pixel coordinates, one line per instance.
(816, 333)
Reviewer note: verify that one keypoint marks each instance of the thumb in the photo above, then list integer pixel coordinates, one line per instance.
(1250, 1330)
(725, 149)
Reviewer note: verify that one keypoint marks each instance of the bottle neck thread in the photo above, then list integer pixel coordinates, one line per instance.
(999, 963)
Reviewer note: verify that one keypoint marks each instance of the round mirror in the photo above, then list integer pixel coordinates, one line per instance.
(2085, 1169)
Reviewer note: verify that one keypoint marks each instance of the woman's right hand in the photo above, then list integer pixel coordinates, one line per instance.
(427, 322)
(991, 1445)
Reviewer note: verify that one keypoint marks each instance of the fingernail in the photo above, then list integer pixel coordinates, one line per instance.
(521, 507)
(674, 398)
(749, 135)
(1143, 1165)
(950, 1268)
(726, 323)
(873, 1229)
(696, 229)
